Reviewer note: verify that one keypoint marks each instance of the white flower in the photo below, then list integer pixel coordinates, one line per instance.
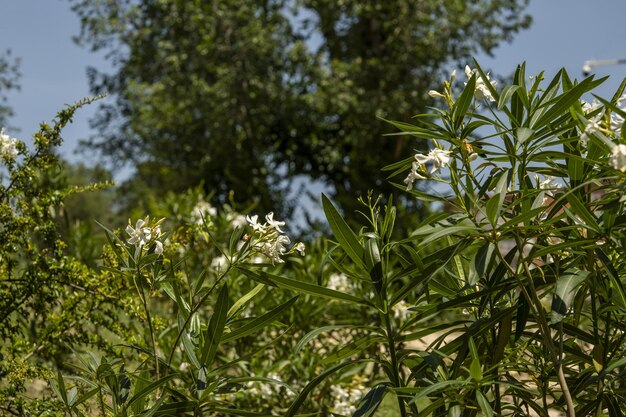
(413, 175)
(438, 157)
(346, 399)
(158, 248)
(236, 220)
(220, 262)
(139, 235)
(254, 223)
(339, 282)
(269, 218)
(299, 247)
(268, 240)
(548, 183)
(203, 212)
(618, 157)
(588, 108)
(8, 146)
(435, 94)
(592, 126)
(481, 90)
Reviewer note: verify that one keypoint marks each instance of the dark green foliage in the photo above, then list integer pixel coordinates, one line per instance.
(247, 95)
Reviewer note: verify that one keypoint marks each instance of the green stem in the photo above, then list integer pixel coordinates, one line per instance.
(192, 312)
(152, 335)
(397, 380)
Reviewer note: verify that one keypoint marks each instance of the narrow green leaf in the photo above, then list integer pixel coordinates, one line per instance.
(421, 392)
(297, 403)
(303, 287)
(580, 210)
(344, 235)
(566, 286)
(462, 104)
(314, 333)
(371, 401)
(619, 294)
(564, 101)
(350, 348)
(475, 369)
(148, 389)
(239, 304)
(484, 404)
(187, 343)
(215, 328)
(506, 94)
(494, 205)
(447, 231)
(374, 264)
(258, 322)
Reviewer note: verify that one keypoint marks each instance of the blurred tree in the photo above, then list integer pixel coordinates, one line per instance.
(9, 75)
(245, 95)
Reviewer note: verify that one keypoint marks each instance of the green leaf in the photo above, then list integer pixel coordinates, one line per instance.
(566, 286)
(314, 333)
(187, 343)
(351, 348)
(462, 104)
(148, 389)
(303, 287)
(579, 209)
(444, 231)
(484, 404)
(494, 205)
(506, 94)
(618, 294)
(344, 235)
(215, 328)
(371, 401)
(475, 370)
(258, 322)
(421, 392)
(297, 403)
(564, 101)
(374, 264)
(524, 133)
(239, 304)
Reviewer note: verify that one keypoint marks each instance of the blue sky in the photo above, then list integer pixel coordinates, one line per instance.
(564, 33)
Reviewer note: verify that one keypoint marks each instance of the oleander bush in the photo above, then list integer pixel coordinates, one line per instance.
(509, 300)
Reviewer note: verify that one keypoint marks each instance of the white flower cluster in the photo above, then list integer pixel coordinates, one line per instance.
(235, 219)
(481, 91)
(340, 282)
(593, 122)
(345, 399)
(143, 233)
(8, 146)
(618, 157)
(268, 238)
(593, 126)
(437, 157)
(550, 185)
(202, 213)
(264, 390)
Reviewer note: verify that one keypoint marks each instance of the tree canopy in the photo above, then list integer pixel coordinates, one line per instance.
(246, 95)
(9, 76)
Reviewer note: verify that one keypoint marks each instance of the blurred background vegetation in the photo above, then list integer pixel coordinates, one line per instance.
(265, 98)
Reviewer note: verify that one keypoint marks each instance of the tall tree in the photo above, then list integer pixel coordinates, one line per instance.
(245, 94)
